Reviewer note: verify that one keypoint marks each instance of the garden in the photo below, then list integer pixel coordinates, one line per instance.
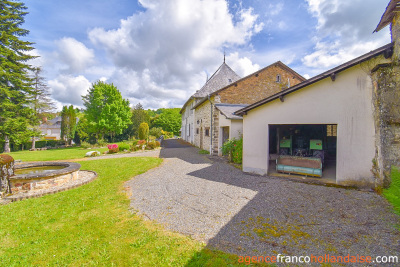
(94, 224)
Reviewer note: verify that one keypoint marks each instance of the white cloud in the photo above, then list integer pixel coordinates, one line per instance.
(344, 31)
(161, 53)
(68, 89)
(243, 66)
(274, 9)
(74, 54)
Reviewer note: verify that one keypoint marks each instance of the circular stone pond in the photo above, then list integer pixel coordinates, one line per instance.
(42, 175)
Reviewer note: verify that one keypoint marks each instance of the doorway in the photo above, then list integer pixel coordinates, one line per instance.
(302, 142)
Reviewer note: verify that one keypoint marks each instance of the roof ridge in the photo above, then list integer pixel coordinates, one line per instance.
(320, 76)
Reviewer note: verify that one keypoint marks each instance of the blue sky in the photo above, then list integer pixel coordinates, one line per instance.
(159, 53)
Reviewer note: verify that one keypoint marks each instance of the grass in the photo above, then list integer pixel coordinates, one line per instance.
(53, 154)
(204, 152)
(392, 194)
(92, 226)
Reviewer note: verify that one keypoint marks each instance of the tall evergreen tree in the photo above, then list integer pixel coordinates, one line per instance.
(139, 115)
(41, 102)
(15, 83)
(68, 123)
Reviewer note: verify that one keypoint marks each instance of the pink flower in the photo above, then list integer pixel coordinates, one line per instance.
(113, 146)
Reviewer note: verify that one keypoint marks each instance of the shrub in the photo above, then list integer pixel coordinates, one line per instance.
(141, 142)
(152, 145)
(136, 147)
(204, 152)
(123, 146)
(101, 143)
(167, 134)
(113, 148)
(143, 131)
(156, 131)
(134, 142)
(234, 149)
(85, 145)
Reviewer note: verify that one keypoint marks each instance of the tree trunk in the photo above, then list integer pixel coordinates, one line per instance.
(33, 143)
(6, 144)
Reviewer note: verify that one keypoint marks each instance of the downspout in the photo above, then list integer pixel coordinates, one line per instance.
(211, 128)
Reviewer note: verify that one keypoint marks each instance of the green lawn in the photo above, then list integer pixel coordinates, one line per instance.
(92, 226)
(53, 154)
(392, 194)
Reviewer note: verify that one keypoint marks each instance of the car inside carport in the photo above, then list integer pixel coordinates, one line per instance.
(303, 150)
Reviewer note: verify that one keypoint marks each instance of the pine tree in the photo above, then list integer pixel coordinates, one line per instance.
(139, 115)
(15, 84)
(68, 123)
(41, 101)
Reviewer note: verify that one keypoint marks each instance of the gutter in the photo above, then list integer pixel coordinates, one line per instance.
(211, 127)
(386, 50)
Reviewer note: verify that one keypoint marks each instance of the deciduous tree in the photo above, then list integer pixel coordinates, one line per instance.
(169, 120)
(106, 111)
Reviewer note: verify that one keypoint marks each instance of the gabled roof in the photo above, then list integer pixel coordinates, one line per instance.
(221, 78)
(278, 63)
(387, 17)
(228, 109)
(387, 50)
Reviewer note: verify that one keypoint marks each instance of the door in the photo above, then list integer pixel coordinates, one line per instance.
(225, 134)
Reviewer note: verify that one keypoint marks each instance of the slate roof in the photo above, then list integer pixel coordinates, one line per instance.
(221, 78)
(228, 109)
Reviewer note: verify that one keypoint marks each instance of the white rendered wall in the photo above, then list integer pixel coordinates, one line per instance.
(347, 102)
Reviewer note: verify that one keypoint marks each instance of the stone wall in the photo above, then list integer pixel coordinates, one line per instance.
(387, 120)
(25, 185)
(248, 90)
(258, 86)
(6, 171)
(201, 122)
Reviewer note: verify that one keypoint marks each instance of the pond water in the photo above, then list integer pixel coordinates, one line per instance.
(34, 170)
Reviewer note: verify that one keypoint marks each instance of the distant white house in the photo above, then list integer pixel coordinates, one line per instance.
(51, 130)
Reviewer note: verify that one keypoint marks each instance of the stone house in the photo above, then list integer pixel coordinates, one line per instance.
(221, 78)
(213, 114)
(352, 110)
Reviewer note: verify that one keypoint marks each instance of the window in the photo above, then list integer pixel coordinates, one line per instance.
(278, 78)
(207, 132)
(197, 130)
(331, 130)
(229, 80)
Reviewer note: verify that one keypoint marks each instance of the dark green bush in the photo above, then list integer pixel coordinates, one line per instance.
(123, 146)
(234, 149)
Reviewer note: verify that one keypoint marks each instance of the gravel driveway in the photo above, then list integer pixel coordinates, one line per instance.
(257, 215)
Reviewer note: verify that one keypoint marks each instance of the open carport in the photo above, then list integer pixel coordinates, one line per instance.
(303, 149)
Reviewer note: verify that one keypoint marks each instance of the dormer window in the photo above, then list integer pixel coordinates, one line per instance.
(278, 78)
